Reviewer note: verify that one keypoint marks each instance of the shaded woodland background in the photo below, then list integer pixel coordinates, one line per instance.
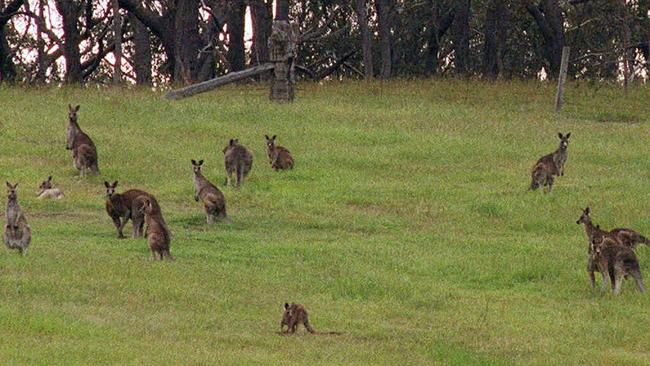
(158, 42)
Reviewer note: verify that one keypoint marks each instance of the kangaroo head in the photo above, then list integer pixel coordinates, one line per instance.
(110, 188)
(287, 313)
(584, 218)
(11, 191)
(196, 167)
(270, 142)
(564, 140)
(232, 143)
(72, 126)
(46, 184)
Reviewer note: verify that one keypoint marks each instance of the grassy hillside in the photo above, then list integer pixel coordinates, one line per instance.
(406, 224)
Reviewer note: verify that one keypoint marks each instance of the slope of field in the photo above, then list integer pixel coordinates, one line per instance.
(406, 224)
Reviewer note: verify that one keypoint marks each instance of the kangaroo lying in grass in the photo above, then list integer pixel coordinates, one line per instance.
(294, 315)
(551, 165)
(124, 207)
(83, 148)
(214, 202)
(237, 159)
(158, 235)
(279, 157)
(17, 234)
(615, 262)
(48, 190)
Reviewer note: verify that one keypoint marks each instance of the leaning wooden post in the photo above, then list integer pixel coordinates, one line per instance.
(564, 66)
(282, 50)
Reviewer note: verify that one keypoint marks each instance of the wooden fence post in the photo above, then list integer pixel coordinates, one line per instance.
(562, 78)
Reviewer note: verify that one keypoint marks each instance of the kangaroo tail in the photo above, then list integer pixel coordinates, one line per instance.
(638, 280)
(168, 255)
(644, 240)
(310, 329)
(239, 170)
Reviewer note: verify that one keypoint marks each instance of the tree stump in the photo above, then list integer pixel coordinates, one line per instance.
(282, 52)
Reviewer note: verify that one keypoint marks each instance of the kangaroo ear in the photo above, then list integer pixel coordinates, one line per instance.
(232, 142)
(106, 184)
(76, 109)
(568, 135)
(559, 134)
(274, 136)
(49, 179)
(8, 185)
(114, 184)
(70, 107)
(193, 162)
(236, 141)
(200, 162)
(286, 305)
(267, 137)
(587, 210)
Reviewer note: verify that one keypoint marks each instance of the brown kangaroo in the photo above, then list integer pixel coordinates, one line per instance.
(17, 234)
(124, 207)
(237, 159)
(551, 165)
(279, 157)
(83, 148)
(214, 202)
(615, 262)
(294, 315)
(48, 190)
(158, 235)
(624, 236)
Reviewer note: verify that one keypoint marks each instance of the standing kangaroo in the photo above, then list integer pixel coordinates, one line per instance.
(294, 315)
(551, 165)
(237, 159)
(279, 157)
(17, 234)
(158, 235)
(213, 199)
(83, 148)
(615, 262)
(48, 190)
(624, 236)
(125, 206)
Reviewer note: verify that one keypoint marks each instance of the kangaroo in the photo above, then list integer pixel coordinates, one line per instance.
(48, 190)
(237, 159)
(615, 262)
(624, 236)
(124, 207)
(551, 165)
(214, 202)
(279, 157)
(17, 234)
(83, 148)
(294, 315)
(158, 235)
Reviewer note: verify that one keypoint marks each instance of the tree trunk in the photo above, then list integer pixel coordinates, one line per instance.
(7, 69)
(261, 16)
(186, 41)
(40, 44)
(281, 9)
(366, 38)
(628, 55)
(117, 32)
(385, 42)
(460, 31)
(69, 12)
(550, 20)
(438, 28)
(142, 52)
(644, 31)
(236, 18)
(495, 30)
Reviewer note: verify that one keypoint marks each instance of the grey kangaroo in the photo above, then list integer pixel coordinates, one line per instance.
(551, 165)
(237, 159)
(214, 202)
(122, 207)
(158, 235)
(279, 157)
(615, 262)
(83, 148)
(294, 315)
(48, 190)
(17, 234)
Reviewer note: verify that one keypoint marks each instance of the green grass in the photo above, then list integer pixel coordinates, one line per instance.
(406, 225)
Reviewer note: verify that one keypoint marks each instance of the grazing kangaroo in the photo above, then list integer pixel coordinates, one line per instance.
(237, 159)
(279, 157)
(551, 165)
(615, 262)
(158, 235)
(83, 148)
(17, 234)
(124, 207)
(214, 202)
(294, 315)
(48, 190)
